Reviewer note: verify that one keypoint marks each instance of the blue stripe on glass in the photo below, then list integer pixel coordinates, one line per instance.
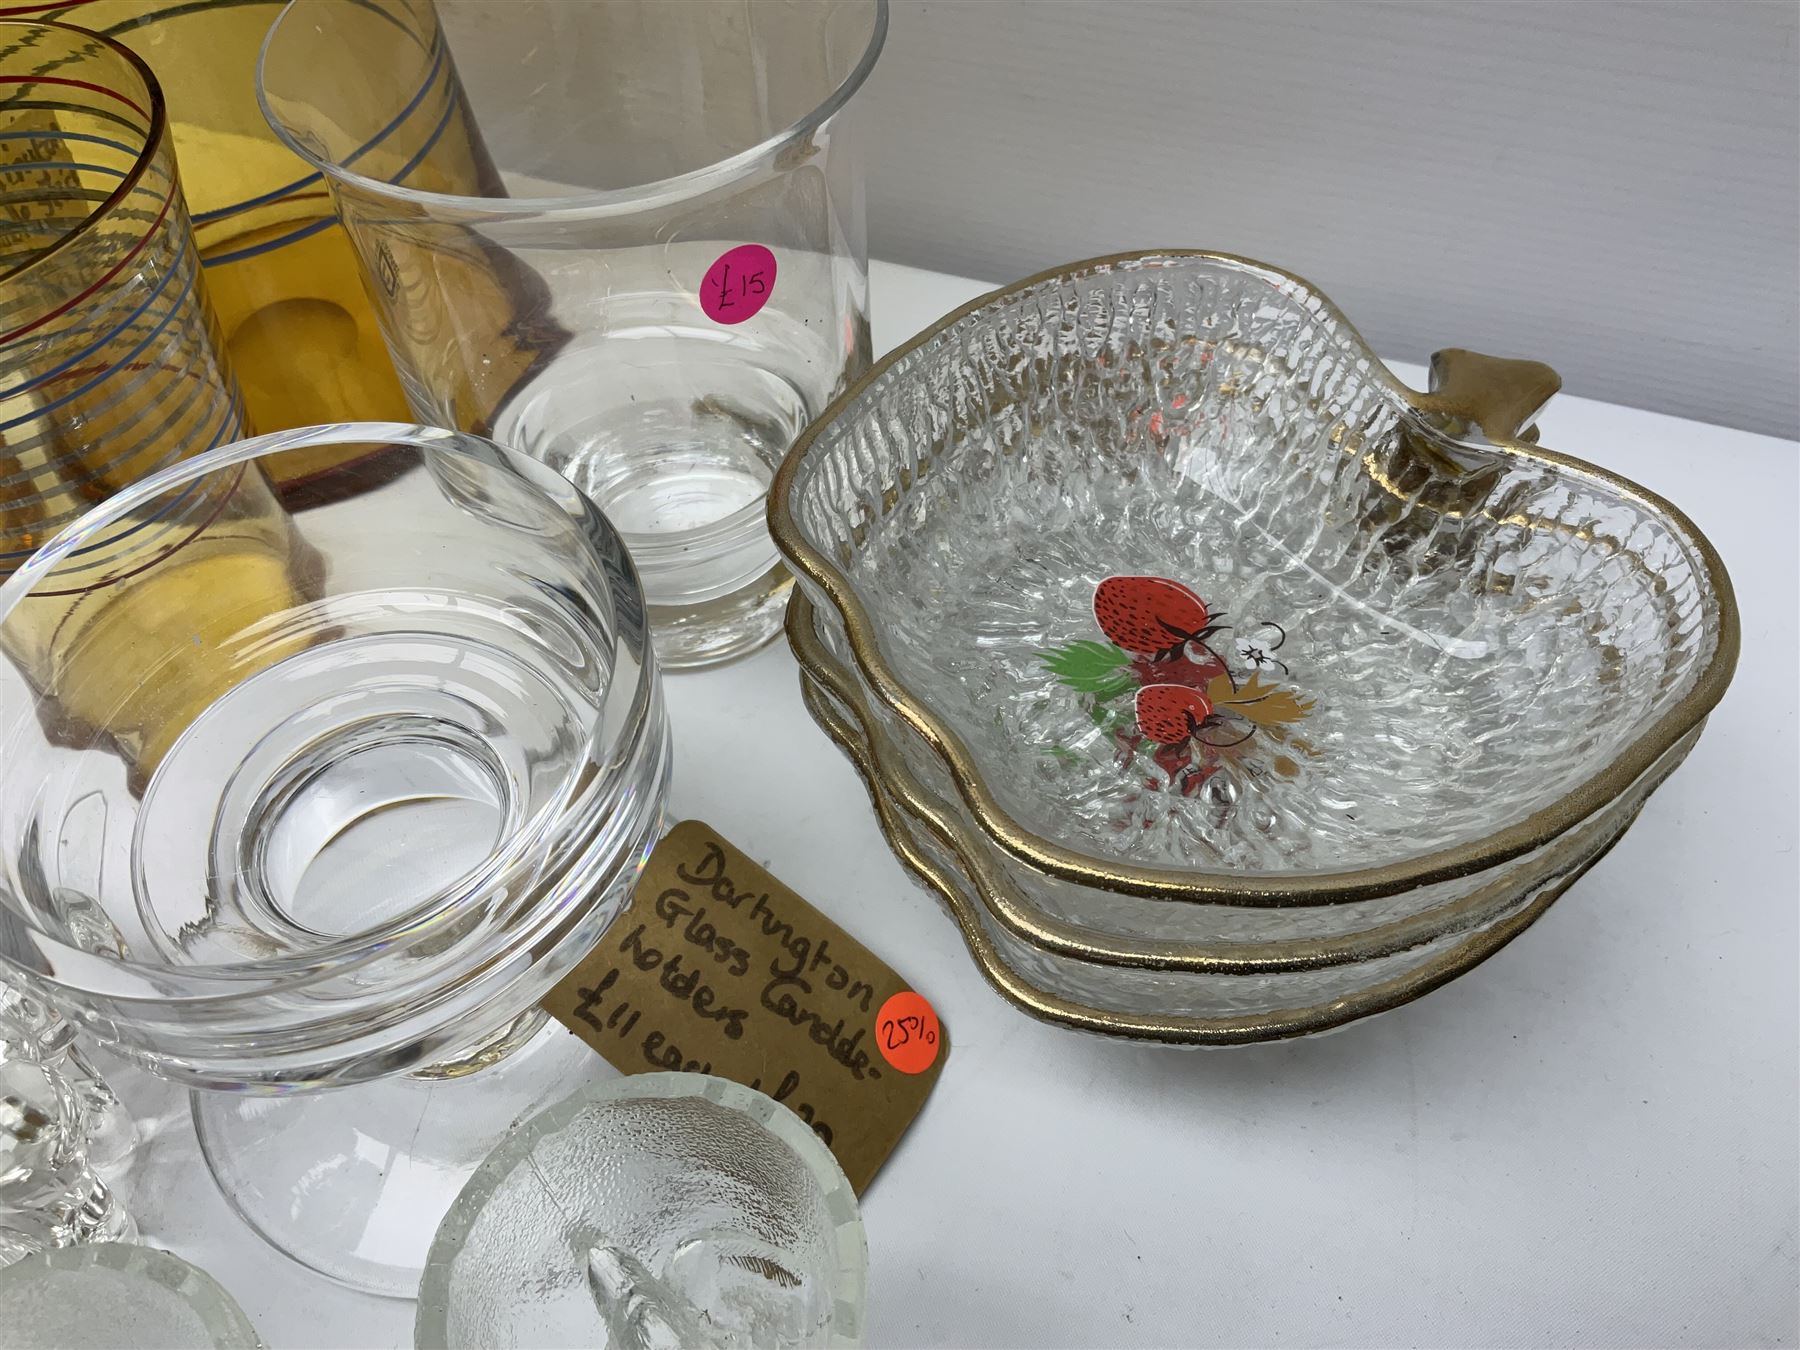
(229, 429)
(276, 194)
(162, 323)
(132, 150)
(270, 245)
(39, 166)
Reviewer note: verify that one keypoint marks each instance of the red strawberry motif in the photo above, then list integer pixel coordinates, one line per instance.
(1158, 652)
(1150, 616)
(1170, 714)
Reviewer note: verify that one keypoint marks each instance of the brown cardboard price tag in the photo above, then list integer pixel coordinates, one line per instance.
(716, 967)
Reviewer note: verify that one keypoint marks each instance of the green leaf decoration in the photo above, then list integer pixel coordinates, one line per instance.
(1095, 668)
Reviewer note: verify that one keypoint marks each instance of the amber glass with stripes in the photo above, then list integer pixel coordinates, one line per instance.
(110, 364)
(296, 325)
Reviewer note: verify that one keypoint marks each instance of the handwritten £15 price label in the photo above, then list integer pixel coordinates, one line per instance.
(738, 284)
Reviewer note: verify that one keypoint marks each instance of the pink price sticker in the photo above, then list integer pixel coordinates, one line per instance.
(738, 284)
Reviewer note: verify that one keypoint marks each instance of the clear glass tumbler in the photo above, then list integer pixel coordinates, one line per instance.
(110, 363)
(667, 281)
(306, 794)
(663, 1209)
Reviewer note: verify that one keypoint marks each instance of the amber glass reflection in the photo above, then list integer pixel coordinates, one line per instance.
(298, 328)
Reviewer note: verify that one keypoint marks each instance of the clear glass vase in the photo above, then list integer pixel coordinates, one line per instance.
(664, 283)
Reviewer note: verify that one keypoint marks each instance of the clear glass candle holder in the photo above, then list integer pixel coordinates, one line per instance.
(304, 793)
(659, 275)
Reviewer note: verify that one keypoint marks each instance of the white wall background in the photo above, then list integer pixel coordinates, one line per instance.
(1610, 187)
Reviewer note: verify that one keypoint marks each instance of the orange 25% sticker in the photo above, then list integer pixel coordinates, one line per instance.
(906, 1032)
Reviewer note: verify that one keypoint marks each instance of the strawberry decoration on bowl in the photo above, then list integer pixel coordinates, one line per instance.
(1188, 701)
(1157, 618)
(1172, 714)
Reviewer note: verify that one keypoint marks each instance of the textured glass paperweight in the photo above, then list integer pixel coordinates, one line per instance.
(663, 1209)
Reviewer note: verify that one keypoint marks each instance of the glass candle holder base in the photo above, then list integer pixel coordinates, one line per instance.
(353, 1182)
(688, 637)
(676, 437)
(317, 800)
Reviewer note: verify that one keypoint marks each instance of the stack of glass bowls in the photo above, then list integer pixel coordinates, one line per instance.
(1223, 687)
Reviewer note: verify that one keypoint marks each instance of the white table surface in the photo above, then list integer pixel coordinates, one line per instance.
(1590, 1139)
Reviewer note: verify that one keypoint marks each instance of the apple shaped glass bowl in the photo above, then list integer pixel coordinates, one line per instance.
(304, 793)
(1221, 634)
(659, 1209)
